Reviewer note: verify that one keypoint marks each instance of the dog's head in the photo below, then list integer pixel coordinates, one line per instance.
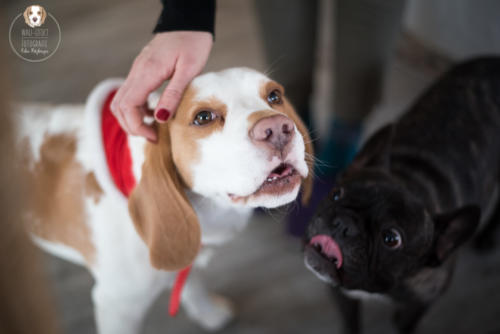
(371, 233)
(235, 139)
(34, 16)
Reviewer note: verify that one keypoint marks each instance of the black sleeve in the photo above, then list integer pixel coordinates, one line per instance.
(191, 15)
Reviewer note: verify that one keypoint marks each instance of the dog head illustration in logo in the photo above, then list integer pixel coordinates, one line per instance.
(34, 16)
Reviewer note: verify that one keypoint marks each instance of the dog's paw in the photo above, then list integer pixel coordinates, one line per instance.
(218, 315)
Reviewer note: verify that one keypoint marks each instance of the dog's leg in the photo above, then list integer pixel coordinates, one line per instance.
(210, 311)
(120, 304)
(349, 308)
(407, 316)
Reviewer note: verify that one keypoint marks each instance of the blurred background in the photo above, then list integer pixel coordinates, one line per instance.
(262, 270)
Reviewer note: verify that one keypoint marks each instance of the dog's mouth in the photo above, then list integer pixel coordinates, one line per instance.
(324, 258)
(281, 180)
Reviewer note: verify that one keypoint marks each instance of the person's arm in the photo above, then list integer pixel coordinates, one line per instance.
(190, 15)
(178, 52)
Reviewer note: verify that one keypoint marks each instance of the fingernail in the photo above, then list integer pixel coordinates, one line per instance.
(163, 114)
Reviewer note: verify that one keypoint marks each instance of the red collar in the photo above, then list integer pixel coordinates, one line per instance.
(119, 162)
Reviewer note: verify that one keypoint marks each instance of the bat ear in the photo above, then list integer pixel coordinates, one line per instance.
(452, 229)
(375, 151)
(161, 212)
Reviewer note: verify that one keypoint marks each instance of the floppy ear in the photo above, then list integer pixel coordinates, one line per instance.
(44, 15)
(375, 151)
(453, 229)
(308, 181)
(161, 212)
(25, 14)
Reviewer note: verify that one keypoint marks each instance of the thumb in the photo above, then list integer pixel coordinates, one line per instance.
(171, 96)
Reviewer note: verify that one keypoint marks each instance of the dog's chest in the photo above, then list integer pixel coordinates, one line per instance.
(219, 223)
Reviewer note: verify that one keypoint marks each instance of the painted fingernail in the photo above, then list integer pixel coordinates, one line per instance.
(163, 114)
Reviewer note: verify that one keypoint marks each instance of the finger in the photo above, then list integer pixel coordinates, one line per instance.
(129, 102)
(133, 120)
(171, 96)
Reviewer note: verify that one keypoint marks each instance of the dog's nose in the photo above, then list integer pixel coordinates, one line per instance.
(275, 132)
(346, 228)
(35, 19)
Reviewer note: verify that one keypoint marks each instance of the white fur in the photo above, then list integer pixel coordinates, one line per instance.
(126, 283)
(364, 295)
(241, 167)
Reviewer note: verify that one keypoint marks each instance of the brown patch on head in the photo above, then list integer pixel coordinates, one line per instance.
(44, 15)
(57, 187)
(286, 108)
(185, 134)
(92, 187)
(26, 15)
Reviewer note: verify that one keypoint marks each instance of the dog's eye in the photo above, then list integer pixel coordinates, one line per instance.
(38, 13)
(204, 117)
(337, 193)
(392, 238)
(31, 12)
(274, 97)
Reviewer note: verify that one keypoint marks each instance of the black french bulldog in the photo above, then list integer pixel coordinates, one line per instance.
(412, 196)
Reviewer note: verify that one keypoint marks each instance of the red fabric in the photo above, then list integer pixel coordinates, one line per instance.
(116, 148)
(175, 295)
(119, 162)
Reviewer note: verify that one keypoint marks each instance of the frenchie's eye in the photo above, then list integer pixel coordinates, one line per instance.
(337, 193)
(392, 238)
(204, 117)
(274, 97)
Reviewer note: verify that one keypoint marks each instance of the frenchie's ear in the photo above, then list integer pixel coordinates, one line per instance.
(453, 229)
(375, 151)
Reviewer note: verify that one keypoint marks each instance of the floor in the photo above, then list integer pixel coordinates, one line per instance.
(261, 271)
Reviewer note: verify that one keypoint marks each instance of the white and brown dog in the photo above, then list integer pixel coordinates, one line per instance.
(235, 143)
(34, 16)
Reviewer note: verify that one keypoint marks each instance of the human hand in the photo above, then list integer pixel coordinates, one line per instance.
(176, 55)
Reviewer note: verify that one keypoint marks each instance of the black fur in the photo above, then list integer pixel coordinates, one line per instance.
(429, 176)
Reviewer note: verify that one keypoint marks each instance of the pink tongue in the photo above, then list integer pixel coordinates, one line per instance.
(328, 247)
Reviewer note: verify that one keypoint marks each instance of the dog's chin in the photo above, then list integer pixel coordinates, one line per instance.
(323, 257)
(280, 187)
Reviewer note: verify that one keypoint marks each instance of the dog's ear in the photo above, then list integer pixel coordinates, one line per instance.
(452, 229)
(308, 181)
(160, 210)
(375, 151)
(44, 15)
(26, 17)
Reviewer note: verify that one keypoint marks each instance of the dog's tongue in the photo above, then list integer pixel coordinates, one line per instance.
(328, 247)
